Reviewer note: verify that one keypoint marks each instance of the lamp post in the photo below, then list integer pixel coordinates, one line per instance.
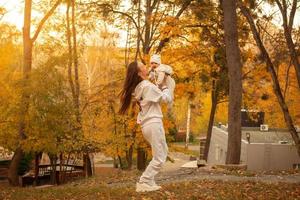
(248, 137)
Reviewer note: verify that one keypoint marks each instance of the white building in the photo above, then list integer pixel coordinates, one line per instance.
(5, 154)
(267, 150)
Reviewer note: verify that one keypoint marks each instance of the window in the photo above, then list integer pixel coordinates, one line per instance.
(296, 166)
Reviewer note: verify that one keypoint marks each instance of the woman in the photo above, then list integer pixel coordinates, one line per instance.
(148, 97)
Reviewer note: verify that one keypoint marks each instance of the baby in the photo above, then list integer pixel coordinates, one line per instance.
(160, 73)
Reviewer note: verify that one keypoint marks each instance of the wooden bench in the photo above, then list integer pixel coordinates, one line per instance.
(63, 173)
(4, 165)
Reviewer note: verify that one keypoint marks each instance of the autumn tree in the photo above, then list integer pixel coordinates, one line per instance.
(153, 23)
(10, 57)
(215, 78)
(235, 82)
(246, 11)
(28, 43)
(288, 23)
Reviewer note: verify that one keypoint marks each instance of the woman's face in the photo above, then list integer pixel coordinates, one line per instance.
(143, 72)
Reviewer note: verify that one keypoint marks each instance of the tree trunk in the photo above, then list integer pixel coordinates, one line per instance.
(75, 61)
(129, 155)
(129, 152)
(293, 53)
(62, 169)
(75, 86)
(27, 60)
(70, 53)
(120, 162)
(116, 165)
(148, 16)
(235, 82)
(210, 123)
(141, 159)
(287, 27)
(53, 176)
(13, 176)
(139, 32)
(87, 165)
(36, 167)
(276, 86)
(188, 122)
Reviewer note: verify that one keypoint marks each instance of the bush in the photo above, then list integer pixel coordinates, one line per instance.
(25, 164)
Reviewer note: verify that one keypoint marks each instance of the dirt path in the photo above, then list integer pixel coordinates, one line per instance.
(173, 173)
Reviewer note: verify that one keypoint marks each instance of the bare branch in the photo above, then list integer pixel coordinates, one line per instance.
(45, 18)
(185, 38)
(198, 26)
(155, 2)
(246, 74)
(154, 27)
(224, 101)
(3, 122)
(154, 20)
(131, 18)
(287, 79)
(292, 14)
(279, 5)
(164, 41)
(2, 13)
(183, 8)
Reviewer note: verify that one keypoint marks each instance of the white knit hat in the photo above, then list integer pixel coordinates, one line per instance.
(165, 68)
(155, 58)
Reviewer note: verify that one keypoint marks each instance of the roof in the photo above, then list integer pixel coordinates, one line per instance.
(271, 136)
(267, 136)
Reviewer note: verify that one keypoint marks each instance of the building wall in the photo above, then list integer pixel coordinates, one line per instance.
(218, 147)
(271, 156)
(257, 156)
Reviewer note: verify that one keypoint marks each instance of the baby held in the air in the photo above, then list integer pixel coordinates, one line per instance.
(161, 74)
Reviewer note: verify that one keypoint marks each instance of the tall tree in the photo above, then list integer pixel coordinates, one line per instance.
(73, 66)
(235, 82)
(272, 70)
(210, 22)
(154, 22)
(28, 43)
(149, 17)
(288, 22)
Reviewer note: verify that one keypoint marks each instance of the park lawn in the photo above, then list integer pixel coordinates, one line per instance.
(94, 188)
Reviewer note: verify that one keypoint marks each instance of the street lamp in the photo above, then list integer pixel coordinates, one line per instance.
(248, 137)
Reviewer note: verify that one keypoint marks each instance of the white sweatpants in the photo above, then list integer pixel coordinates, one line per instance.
(154, 134)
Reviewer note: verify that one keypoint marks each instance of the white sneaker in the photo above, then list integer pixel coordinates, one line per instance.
(144, 187)
(154, 184)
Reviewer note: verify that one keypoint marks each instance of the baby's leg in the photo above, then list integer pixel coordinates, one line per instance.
(160, 78)
(171, 85)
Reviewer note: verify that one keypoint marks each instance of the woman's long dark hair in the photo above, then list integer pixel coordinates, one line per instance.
(131, 81)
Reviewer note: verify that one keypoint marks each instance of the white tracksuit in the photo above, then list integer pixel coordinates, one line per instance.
(150, 118)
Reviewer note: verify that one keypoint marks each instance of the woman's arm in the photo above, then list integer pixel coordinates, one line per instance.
(166, 95)
(154, 94)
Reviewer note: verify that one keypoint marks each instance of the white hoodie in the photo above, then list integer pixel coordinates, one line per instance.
(149, 96)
